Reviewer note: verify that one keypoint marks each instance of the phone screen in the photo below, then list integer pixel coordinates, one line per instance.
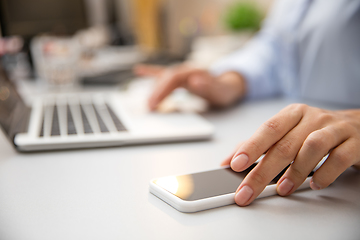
(208, 184)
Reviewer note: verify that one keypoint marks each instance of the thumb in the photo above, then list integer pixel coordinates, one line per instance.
(200, 84)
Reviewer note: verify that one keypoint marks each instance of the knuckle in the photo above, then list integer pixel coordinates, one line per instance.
(297, 173)
(298, 107)
(284, 148)
(315, 142)
(325, 117)
(259, 178)
(272, 125)
(350, 127)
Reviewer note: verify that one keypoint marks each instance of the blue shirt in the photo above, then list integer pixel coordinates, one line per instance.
(307, 48)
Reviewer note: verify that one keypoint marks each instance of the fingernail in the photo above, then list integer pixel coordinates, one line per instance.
(239, 162)
(314, 186)
(243, 195)
(285, 187)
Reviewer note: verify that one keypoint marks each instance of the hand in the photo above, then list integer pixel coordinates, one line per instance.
(218, 91)
(299, 135)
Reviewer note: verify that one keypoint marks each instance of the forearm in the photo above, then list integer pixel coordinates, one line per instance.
(259, 60)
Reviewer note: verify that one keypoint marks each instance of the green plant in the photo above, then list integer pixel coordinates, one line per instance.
(243, 16)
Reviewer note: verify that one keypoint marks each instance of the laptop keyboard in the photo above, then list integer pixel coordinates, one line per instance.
(74, 119)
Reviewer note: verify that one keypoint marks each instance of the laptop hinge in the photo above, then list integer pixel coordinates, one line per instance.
(20, 120)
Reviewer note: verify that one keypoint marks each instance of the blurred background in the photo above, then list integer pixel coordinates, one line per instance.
(99, 41)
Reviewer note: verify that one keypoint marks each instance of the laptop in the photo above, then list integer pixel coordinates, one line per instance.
(87, 120)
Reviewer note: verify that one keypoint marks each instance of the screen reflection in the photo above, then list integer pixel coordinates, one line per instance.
(204, 184)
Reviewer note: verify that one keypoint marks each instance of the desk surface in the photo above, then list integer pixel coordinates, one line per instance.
(103, 193)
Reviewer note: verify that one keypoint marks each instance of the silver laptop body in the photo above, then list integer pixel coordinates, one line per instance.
(84, 120)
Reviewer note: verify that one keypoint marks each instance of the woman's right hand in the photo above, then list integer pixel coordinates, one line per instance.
(219, 91)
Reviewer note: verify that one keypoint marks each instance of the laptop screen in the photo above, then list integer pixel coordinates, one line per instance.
(29, 18)
(13, 110)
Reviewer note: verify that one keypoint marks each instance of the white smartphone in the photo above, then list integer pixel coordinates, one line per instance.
(204, 190)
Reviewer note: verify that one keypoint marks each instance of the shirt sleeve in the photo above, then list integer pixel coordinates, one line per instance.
(258, 61)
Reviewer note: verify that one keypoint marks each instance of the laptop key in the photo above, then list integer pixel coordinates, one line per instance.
(118, 124)
(71, 129)
(55, 128)
(86, 124)
(102, 125)
(42, 128)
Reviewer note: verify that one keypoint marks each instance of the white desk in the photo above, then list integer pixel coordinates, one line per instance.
(103, 193)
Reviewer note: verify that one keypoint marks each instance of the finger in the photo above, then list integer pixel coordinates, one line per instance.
(279, 156)
(148, 70)
(267, 135)
(314, 148)
(226, 161)
(167, 84)
(341, 158)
